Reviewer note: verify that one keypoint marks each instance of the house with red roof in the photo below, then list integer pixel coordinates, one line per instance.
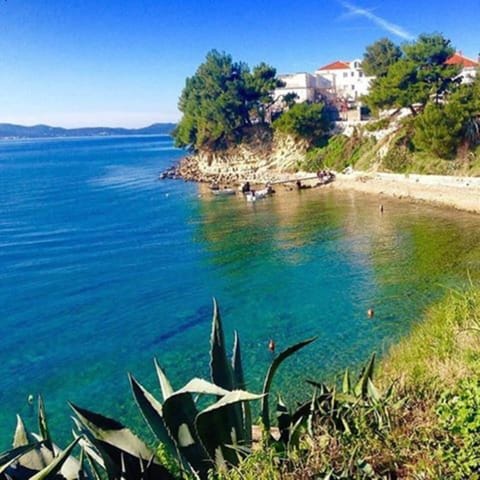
(469, 67)
(343, 83)
(343, 79)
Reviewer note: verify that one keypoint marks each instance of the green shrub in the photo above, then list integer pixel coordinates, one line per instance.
(398, 159)
(338, 152)
(304, 121)
(459, 414)
(378, 125)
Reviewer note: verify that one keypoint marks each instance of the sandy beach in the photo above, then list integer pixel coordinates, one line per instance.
(462, 193)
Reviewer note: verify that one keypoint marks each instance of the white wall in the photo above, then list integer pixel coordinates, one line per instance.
(348, 82)
(303, 84)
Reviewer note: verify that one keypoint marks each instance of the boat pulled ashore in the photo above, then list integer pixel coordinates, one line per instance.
(216, 190)
(254, 195)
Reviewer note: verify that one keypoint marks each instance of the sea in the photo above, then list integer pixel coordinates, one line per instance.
(104, 267)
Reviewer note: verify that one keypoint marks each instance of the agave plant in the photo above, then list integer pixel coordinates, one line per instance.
(216, 434)
(220, 434)
(355, 404)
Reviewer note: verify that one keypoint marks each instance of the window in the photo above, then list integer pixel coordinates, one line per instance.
(345, 74)
(353, 74)
(360, 74)
(353, 87)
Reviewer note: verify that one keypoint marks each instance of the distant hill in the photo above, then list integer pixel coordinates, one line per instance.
(8, 130)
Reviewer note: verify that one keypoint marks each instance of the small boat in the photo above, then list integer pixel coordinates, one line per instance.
(254, 195)
(223, 191)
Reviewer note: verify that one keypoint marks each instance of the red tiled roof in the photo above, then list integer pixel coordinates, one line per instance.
(458, 59)
(338, 65)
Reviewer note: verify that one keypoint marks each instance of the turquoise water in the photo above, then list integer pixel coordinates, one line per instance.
(103, 267)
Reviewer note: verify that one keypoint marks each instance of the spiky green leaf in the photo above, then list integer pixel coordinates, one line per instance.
(37, 459)
(113, 440)
(217, 431)
(152, 412)
(270, 374)
(165, 385)
(42, 423)
(238, 376)
(11, 456)
(361, 388)
(221, 371)
(200, 386)
(284, 420)
(179, 413)
(51, 470)
(346, 384)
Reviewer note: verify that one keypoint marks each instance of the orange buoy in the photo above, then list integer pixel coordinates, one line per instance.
(271, 345)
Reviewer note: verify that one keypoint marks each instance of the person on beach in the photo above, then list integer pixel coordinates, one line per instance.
(246, 187)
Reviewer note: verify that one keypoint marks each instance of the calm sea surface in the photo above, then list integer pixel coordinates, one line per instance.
(103, 268)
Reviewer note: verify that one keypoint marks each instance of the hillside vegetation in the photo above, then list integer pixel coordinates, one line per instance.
(440, 135)
(225, 100)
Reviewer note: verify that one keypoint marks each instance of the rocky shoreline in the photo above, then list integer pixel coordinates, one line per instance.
(462, 193)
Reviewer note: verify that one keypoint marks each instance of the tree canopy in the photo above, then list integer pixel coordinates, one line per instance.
(304, 121)
(221, 99)
(379, 56)
(443, 127)
(418, 76)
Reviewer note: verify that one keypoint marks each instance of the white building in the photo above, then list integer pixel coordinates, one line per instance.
(343, 79)
(469, 66)
(303, 84)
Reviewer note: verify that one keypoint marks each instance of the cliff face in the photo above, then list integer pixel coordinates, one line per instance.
(256, 161)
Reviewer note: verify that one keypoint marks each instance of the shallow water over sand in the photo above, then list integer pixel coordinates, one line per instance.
(102, 267)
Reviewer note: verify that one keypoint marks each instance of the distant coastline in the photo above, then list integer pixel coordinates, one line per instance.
(11, 131)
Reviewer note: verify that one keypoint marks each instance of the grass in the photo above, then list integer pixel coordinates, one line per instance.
(443, 348)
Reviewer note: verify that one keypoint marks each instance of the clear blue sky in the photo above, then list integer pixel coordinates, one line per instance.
(124, 62)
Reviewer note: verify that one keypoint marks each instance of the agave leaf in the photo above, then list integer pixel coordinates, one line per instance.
(112, 440)
(232, 397)
(295, 433)
(90, 451)
(217, 431)
(179, 413)
(11, 456)
(238, 376)
(82, 472)
(373, 393)
(198, 385)
(42, 423)
(346, 384)
(93, 464)
(243, 411)
(302, 411)
(165, 385)
(311, 413)
(21, 437)
(152, 413)
(284, 420)
(220, 368)
(51, 470)
(361, 387)
(222, 374)
(70, 467)
(38, 458)
(111, 431)
(270, 374)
